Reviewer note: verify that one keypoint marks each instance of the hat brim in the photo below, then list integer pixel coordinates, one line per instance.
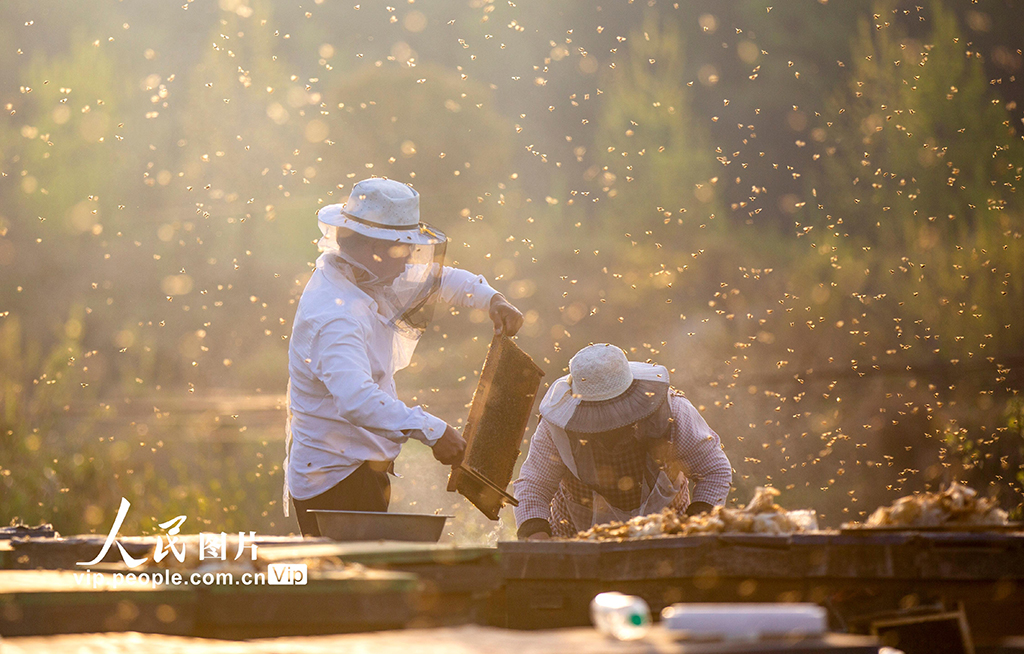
(419, 234)
(640, 400)
(424, 234)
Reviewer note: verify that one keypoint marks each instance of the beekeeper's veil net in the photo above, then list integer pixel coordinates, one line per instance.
(407, 256)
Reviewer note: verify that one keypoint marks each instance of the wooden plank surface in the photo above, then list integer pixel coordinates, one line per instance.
(460, 640)
(6, 554)
(886, 555)
(54, 602)
(379, 552)
(72, 581)
(40, 602)
(65, 553)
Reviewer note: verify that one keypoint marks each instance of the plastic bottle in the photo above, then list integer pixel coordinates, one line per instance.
(619, 616)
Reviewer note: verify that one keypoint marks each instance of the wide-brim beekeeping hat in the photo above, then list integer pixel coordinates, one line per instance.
(382, 209)
(604, 391)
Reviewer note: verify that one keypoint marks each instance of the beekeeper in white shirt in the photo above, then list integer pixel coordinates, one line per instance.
(370, 298)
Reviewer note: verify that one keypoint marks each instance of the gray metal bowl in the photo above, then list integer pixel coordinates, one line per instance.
(371, 525)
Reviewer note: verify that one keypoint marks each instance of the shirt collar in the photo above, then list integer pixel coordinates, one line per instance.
(339, 273)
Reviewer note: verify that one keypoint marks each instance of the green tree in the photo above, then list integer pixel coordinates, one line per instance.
(927, 148)
(425, 125)
(63, 164)
(932, 162)
(654, 162)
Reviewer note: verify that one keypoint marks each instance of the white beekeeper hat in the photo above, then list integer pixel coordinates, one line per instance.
(383, 209)
(604, 391)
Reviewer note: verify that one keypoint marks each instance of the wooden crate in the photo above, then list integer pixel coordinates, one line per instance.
(934, 633)
(457, 585)
(549, 584)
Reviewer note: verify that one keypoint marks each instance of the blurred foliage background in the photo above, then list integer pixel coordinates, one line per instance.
(809, 212)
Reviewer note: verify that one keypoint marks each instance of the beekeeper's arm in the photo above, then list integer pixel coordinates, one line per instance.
(538, 481)
(464, 289)
(699, 451)
(338, 357)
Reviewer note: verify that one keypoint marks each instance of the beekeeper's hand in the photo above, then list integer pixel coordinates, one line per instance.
(507, 319)
(696, 508)
(450, 448)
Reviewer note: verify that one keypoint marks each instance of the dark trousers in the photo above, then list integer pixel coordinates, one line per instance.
(366, 489)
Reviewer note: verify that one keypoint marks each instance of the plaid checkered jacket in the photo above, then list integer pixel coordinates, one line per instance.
(545, 485)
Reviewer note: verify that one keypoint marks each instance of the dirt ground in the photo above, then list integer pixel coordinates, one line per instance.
(459, 640)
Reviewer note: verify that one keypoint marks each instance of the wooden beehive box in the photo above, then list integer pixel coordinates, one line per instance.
(498, 416)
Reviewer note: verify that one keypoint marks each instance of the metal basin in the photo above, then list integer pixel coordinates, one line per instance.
(372, 525)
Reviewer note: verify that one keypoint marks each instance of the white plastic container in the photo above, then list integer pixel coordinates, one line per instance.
(744, 621)
(622, 617)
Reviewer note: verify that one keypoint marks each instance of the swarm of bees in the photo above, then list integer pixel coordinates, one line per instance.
(760, 516)
(956, 506)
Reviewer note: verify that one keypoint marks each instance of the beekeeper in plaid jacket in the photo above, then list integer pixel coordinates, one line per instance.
(615, 441)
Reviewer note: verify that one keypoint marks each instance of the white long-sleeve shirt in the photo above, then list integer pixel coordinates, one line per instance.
(344, 407)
